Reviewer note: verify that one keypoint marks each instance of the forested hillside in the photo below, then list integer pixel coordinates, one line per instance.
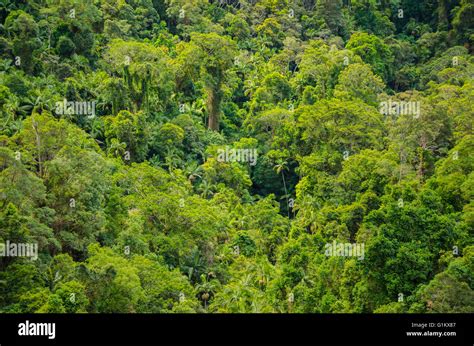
(236, 156)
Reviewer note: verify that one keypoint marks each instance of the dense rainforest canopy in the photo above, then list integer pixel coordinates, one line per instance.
(237, 156)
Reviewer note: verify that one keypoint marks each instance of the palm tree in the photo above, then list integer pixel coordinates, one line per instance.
(172, 159)
(280, 168)
(194, 264)
(206, 288)
(193, 170)
(51, 277)
(116, 148)
(206, 189)
(96, 129)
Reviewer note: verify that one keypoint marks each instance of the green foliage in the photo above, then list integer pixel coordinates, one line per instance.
(373, 51)
(134, 208)
(130, 129)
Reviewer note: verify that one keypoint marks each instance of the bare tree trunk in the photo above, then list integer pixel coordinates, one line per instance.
(38, 147)
(286, 193)
(213, 108)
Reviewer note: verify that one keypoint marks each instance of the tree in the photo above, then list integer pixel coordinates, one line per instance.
(230, 143)
(332, 13)
(22, 30)
(358, 82)
(372, 51)
(77, 183)
(451, 290)
(209, 57)
(463, 22)
(275, 89)
(280, 167)
(145, 70)
(114, 284)
(129, 128)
